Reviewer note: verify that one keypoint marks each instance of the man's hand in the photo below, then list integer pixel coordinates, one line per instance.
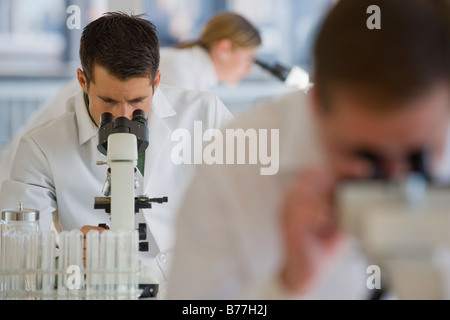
(87, 229)
(309, 228)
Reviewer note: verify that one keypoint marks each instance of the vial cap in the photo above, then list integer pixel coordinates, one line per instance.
(20, 214)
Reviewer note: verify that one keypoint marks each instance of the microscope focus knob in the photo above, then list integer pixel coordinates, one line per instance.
(143, 246)
(142, 231)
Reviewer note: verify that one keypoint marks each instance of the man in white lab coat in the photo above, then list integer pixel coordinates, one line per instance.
(383, 92)
(228, 46)
(225, 52)
(55, 168)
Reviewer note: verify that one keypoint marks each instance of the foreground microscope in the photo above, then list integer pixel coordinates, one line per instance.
(122, 140)
(403, 227)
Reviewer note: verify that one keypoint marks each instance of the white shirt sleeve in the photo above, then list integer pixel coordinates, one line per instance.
(31, 182)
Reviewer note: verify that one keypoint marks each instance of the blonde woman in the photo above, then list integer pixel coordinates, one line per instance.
(224, 53)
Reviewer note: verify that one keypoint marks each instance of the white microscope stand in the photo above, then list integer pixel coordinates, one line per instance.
(122, 159)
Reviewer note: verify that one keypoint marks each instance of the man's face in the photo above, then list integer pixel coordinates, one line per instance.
(350, 128)
(120, 98)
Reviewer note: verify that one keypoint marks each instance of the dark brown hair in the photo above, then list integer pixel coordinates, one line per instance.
(409, 54)
(127, 46)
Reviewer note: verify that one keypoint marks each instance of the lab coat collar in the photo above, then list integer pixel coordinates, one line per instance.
(86, 128)
(161, 106)
(299, 133)
(161, 109)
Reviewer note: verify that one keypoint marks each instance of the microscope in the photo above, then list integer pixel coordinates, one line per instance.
(122, 140)
(403, 227)
(293, 76)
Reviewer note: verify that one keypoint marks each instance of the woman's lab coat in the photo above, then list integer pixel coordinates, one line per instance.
(55, 167)
(190, 68)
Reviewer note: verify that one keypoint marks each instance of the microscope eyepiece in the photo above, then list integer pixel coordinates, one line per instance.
(139, 116)
(136, 126)
(106, 118)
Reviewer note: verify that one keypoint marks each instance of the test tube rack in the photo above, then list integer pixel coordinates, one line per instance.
(32, 267)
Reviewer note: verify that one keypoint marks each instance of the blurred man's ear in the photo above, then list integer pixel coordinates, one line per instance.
(82, 80)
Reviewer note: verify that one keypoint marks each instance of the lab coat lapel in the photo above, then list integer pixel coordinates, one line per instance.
(86, 128)
(159, 133)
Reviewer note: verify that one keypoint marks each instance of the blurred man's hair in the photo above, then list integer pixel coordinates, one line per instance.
(408, 55)
(127, 46)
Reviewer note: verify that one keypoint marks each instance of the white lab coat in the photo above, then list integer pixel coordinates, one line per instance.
(229, 243)
(55, 166)
(190, 68)
(187, 68)
(50, 110)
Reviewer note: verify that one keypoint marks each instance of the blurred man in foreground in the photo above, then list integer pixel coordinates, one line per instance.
(382, 92)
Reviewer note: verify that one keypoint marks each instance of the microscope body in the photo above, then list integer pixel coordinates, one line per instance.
(403, 228)
(122, 160)
(122, 140)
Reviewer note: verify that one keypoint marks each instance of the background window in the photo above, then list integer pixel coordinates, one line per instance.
(38, 55)
(288, 29)
(287, 24)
